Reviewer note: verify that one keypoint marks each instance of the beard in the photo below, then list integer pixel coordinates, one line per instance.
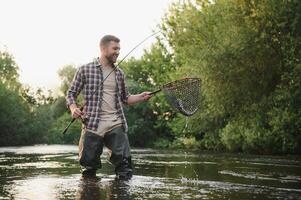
(112, 58)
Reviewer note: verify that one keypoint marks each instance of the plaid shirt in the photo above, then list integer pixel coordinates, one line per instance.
(89, 79)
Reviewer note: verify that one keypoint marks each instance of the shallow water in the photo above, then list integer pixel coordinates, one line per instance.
(52, 172)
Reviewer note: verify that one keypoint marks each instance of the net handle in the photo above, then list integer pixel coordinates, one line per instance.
(154, 92)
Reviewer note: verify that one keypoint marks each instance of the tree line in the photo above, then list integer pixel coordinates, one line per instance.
(247, 54)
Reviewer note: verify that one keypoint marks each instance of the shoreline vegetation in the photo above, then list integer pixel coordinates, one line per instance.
(247, 54)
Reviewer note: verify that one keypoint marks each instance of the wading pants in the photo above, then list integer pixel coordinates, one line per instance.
(91, 146)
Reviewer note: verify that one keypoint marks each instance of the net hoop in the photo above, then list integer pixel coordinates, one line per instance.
(183, 95)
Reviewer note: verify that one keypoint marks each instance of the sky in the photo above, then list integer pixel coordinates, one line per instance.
(45, 35)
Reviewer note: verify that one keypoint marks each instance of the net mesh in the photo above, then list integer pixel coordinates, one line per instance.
(183, 95)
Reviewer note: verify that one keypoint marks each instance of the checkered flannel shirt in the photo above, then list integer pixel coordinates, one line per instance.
(89, 79)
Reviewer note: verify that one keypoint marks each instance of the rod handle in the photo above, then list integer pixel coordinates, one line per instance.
(67, 127)
(71, 122)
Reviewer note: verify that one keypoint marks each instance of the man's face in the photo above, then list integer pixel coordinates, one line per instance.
(111, 51)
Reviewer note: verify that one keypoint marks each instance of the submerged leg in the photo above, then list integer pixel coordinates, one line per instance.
(90, 149)
(117, 141)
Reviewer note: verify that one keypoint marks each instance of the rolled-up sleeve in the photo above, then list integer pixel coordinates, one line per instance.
(75, 88)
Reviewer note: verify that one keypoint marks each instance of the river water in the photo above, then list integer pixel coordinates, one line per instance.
(52, 172)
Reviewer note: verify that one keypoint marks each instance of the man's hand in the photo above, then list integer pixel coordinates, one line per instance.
(75, 111)
(145, 96)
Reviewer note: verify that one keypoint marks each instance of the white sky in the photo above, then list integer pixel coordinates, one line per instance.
(44, 35)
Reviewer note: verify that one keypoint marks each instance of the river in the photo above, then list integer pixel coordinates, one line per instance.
(52, 172)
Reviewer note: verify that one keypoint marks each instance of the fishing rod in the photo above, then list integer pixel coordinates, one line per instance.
(115, 67)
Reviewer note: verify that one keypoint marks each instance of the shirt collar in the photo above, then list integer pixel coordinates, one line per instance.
(96, 62)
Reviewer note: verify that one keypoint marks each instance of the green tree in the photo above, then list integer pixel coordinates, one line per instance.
(247, 54)
(8, 70)
(14, 118)
(24, 116)
(66, 74)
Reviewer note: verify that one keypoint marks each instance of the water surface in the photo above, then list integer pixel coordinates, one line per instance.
(52, 172)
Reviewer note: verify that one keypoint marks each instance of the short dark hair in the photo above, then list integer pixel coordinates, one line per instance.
(108, 38)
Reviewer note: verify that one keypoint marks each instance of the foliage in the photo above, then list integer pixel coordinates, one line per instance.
(8, 71)
(38, 97)
(24, 117)
(66, 74)
(247, 54)
(55, 135)
(14, 116)
(58, 107)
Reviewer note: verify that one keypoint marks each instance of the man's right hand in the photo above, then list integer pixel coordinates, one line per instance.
(75, 111)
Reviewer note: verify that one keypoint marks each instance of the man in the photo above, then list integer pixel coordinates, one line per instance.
(104, 122)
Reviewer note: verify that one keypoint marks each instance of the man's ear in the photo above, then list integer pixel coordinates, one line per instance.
(103, 48)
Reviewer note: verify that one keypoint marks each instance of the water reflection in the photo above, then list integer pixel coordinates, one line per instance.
(42, 187)
(88, 189)
(94, 188)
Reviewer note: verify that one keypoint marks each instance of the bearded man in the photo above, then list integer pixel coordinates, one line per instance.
(104, 123)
